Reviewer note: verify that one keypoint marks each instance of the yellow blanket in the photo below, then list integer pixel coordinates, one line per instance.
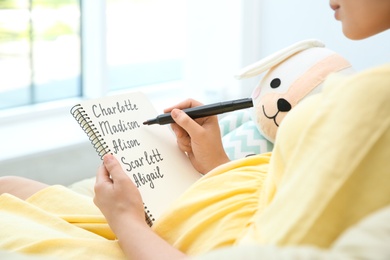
(328, 170)
(56, 222)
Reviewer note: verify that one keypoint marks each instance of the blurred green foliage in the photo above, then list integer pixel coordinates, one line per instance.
(55, 28)
(16, 4)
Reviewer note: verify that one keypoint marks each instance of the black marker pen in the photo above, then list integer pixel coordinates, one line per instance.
(204, 111)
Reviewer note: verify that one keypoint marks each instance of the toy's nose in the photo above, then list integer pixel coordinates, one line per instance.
(283, 105)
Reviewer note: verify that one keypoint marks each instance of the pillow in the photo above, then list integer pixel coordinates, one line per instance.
(241, 137)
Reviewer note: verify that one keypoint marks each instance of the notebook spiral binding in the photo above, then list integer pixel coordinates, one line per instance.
(89, 128)
(148, 216)
(98, 143)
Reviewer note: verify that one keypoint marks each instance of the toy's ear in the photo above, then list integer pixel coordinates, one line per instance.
(276, 58)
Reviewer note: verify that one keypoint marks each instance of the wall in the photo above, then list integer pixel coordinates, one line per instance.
(285, 22)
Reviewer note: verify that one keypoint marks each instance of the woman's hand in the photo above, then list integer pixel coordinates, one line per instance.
(121, 203)
(116, 195)
(200, 138)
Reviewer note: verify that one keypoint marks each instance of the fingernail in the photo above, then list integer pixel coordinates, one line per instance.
(175, 113)
(107, 158)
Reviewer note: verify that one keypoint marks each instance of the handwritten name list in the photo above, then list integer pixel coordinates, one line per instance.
(117, 122)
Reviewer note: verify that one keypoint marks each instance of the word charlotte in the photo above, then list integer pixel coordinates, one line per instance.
(118, 108)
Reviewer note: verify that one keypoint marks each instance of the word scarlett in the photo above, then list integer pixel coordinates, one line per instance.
(147, 159)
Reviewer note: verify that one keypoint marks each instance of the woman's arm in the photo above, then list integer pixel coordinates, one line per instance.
(120, 202)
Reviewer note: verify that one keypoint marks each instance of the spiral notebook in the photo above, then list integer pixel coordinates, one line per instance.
(147, 153)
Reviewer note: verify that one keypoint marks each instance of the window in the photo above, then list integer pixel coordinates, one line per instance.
(40, 47)
(39, 51)
(145, 42)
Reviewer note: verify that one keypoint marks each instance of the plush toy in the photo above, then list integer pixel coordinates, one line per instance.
(293, 73)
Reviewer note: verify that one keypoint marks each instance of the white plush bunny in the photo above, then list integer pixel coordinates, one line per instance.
(293, 73)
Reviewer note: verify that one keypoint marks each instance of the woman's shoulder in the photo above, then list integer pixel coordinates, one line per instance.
(382, 71)
(376, 79)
